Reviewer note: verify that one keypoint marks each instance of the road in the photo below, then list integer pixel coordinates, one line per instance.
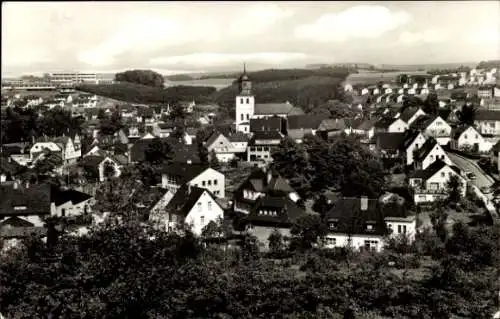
(482, 179)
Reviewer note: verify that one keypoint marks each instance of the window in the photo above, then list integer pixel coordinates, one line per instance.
(199, 207)
(332, 225)
(19, 207)
(209, 183)
(465, 136)
(248, 116)
(404, 229)
(216, 192)
(331, 241)
(477, 136)
(369, 227)
(259, 149)
(202, 220)
(203, 183)
(442, 174)
(63, 212)
(209, 206)
(246, 129)
(215, 182)
(242, 117)
(248, 101)
(241, 101)
(399, 229)
(371, 245)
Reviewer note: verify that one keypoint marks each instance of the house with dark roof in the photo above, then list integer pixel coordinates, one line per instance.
(183, 153)
(410, 114)
(468, 138)
(365, 224)
(176, 175)
(263, 110)
(267, 124)
(431, 184)
(449, 115)
(332, 127)
(98, 167)
(428, 153)
(261, 146)
(297, 126)
(67, 147)
(488, 122)
(221, 146)
(70, 202)
(413, 140)
(259, 183)
(190, 205)
(433, 126)
(390, 125)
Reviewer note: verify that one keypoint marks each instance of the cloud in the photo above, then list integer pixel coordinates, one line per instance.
(255, 19)
(219, 59)
(364, 21)
(426, 36)
(484, 35)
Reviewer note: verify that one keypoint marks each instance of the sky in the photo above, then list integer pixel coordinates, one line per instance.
(177, 37)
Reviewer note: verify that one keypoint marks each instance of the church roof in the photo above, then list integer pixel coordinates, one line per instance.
(272, 108)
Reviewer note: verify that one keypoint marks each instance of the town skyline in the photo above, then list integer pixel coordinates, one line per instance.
(208, 37)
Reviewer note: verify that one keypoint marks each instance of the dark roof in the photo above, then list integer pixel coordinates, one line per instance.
(384, 122)
(59, 196)
(487, 115)
(238, 137)
(423, 151)
(333, 124)
(273, 108)
(265, 182)
(145, 112)
(352, 220)
(182, 152)
(455, 133)
(91, 161)
(271, 135)
(408, 113)
(16, 222)
(410, 136)
(496, 147)
(213, 137)
(389, 141)
(36, 199)
(304, 121)
(423, 121)
(432, 169)
(184, 200)
(287, 211)
(269, 124)
(367, 124)
(185, 172)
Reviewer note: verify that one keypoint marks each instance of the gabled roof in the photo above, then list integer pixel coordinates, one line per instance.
(408, 113)
(16, 222)
(460, 130)
(304, 122)
(91, 161)
(269, 182)
(487, 115)
(184, 200)
(422, 122)
(21, 232)
(432, 169)
(35, 199)
(385, 122)
(351, 219)
(410, 136)
(212, 138)
(185, 172)
(269, 124)
(238, 137)
(272, 108)
(496, 147)
(389, 141)
(182, 152)
(367, 124)
(59, 196)
(287, 211)
(271, 135)
(332, 125)
(423, 151)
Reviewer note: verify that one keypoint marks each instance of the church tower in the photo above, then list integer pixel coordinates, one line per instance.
(245, 103)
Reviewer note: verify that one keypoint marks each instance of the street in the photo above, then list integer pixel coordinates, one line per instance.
(482, 179)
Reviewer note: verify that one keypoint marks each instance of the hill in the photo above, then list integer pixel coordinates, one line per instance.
(136, 93)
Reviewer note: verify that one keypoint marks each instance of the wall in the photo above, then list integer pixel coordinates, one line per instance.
(488, 127)
(245, 107)
(411, 228)
(211, 180)
(471, 137)
(417, 143)
(72, 210)
(202, 208)
(224, 157)
(357, 241)
(431, 157)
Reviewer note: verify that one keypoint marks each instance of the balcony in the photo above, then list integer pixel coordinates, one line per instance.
(421, 191)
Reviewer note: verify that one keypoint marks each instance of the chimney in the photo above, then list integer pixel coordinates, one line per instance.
(364, 203)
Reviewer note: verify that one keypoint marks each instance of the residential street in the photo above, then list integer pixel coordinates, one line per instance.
(482, 179)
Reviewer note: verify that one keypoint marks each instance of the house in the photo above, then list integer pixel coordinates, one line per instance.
(262, 144)
(259, 183)
(239, 142)
(221, 146)
(332, 127)
(390, 125)
(163, 129)
(268, 124)
(70, 202)
(431, 183)
(413, 140)
(430, 152)
(190, 205)
(40, 147)
(271, 213)
(177, 174)
(388, 145)
(450, 116)
(99, 167)
(188, 106)
(183, 153)
(486, 91)
(364, 224)
(299, 125)
(71, 148)
(66, 98)
(487, 122)
(495, 155)
(366, 128)
(433, 126)
(467, 137)
(410, 114)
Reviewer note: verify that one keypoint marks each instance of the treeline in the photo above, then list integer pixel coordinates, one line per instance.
(136, 93)
(143, 77)
(132, 271)
(487, 65)
(272, 75)
(461, 68)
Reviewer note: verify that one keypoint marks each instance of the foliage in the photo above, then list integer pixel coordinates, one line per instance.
(439, 217)
(272, 75)
(445, 71)
(431, 104)
(177, 112)
(454, 187)
(276, 243)
(333, 109)
(488, 65)
(158, 152)
(136, 93)
(321, 205)
(109, 170)
(307, 231)
(144, 77)
(467, 114)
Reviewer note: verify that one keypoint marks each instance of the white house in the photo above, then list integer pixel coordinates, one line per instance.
(39, 147)
(431, 183)
(192, 206)
(70, 203)
(487, 122)
(364, 224)
(177, 174)
(97, 164)
(221, 146)
(470, 138)
(391, 125)
(434, 126)
(410, 114)
(430, 152)
(413, 141)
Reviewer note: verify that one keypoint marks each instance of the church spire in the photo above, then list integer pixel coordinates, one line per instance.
(244, 68)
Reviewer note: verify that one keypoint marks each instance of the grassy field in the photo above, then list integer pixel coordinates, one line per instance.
(216, 83)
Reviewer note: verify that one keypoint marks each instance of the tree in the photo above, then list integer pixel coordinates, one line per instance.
(321, 205)
(47, 163)
(431, 104)
(454, 186)
(144, 77)
(307, 230)
(439, 218)
(467, 114)
(177, 111)
(109, 170)
(158, 152)
(276, 244)
(101, 114)
(214, 161)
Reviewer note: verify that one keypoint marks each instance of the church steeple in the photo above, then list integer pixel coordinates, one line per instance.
(244, 83)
